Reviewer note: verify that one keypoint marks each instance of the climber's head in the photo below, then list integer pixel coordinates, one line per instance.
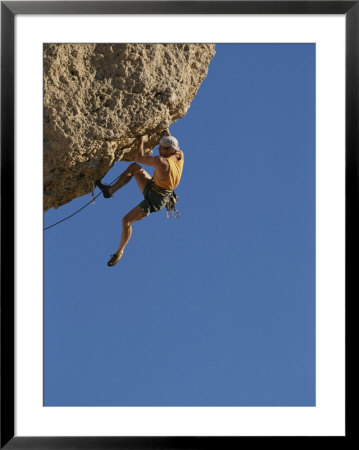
(168, 144)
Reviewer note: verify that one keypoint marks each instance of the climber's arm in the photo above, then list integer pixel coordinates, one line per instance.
(140, 148)
(140, 154)
(158, 162)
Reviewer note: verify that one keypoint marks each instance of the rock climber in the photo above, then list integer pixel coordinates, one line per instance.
(157, 190)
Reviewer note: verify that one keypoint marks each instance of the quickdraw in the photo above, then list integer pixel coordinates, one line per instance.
(172, 211)
(93, 198)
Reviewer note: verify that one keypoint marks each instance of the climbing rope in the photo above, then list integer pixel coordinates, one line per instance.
(173, 212)
(92, 201)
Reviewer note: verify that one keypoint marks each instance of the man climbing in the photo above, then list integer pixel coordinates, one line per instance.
(157, 190)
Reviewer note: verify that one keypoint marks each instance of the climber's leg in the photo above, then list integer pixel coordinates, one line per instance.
(142, 178)
(135, 214)
(134, 169)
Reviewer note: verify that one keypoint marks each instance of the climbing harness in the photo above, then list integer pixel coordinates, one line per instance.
(172, 199)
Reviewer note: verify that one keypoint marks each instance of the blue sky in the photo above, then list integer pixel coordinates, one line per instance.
(216, 308)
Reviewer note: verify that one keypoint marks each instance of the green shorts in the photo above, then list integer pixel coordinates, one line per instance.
(153, 201)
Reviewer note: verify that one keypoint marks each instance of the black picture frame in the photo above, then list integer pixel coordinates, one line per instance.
(9, 9)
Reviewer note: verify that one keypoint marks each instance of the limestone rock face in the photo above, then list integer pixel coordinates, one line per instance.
(99, 97)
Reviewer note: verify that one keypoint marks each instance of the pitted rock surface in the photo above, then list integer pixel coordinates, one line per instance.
(98, 98)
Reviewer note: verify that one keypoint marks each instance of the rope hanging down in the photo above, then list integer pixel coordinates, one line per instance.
(83, 207)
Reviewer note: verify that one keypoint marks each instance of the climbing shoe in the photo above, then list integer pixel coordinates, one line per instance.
(105, 188)
(114, 259)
